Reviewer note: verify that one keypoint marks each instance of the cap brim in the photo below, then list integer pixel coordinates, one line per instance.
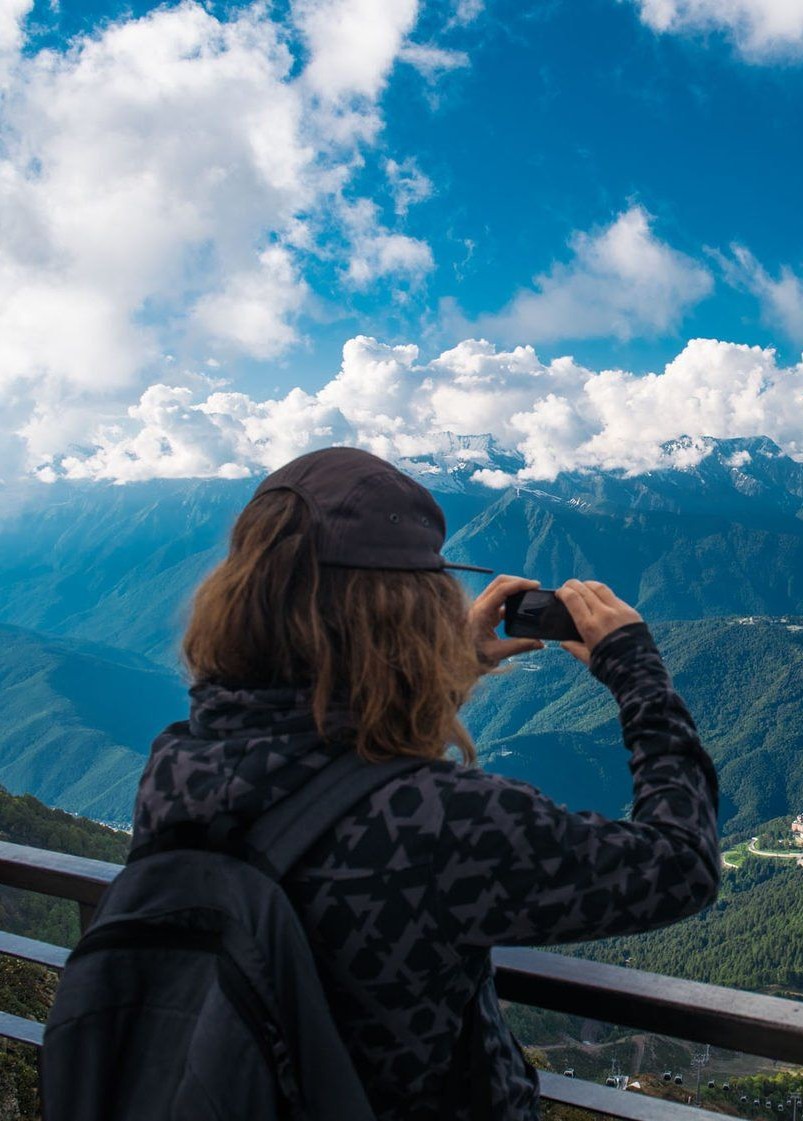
(467, 567)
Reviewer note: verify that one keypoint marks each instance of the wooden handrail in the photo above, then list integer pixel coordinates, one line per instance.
(626, 1105)
(28, 949)
(55, 873)
(738, 1021)
(743, 1021)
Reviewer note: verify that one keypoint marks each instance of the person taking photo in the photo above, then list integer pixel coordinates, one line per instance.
(334, 627)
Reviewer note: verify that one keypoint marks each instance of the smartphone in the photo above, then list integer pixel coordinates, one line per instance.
(539, 614)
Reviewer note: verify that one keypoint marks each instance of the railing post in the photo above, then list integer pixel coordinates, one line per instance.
(86, 912)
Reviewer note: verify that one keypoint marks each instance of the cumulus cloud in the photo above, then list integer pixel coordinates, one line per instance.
(781, 299)
(12, 15)
(142, 163)
(353, 43)
(252, 311)
(377, 252)
(165, 183)
(622, 281)
(761, 29)
(461, 406)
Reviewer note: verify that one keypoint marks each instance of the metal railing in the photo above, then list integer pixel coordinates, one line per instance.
(770, 1027)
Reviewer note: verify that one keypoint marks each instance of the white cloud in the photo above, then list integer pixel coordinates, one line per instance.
(172, 440)
(252, 310)
(432, 61)
(761, 29)
(622, 281)
(353, 43)
(13, 14)
(466, 11)
(556, 417)
(781, 300)
(408, 184)
(143, 164)
(377, 252)
(739, 459)
(164, 183)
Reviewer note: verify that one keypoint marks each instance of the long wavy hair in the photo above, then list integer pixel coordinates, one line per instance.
(396, 646)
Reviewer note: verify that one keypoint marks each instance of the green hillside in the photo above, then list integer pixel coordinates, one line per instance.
(548, 721)
(115, 565)
(78, 720)
(670, 562)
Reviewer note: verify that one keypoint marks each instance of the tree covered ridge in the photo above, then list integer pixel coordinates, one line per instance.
(27, 821)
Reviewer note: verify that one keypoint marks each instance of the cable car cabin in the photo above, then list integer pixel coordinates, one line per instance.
(610, 1080)
(569, 1072)
(678, 1079)
(712, 1084)
(780, 1107)
(743, 1099)
(667, 1076)
(726, 1086)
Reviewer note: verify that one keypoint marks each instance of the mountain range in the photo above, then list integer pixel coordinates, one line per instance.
(96, 582)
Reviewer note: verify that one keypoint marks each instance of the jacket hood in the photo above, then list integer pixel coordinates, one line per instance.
(240, 752)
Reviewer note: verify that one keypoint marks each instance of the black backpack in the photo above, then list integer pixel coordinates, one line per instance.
(194, 994)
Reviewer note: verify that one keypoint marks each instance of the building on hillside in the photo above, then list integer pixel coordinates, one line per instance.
(797, 830)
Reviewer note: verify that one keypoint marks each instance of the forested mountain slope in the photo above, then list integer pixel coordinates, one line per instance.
(78, 720)
(550, 722)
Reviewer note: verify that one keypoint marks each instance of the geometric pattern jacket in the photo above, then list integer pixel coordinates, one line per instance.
(404, 898)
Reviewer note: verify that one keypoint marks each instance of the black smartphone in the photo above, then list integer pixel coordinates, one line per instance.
(539, 614)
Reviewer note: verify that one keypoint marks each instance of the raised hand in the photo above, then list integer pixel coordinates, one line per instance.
(487, 612)
(596, 612)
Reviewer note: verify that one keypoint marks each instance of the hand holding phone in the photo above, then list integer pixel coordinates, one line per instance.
(485, 615)
(596, 611)
(539, 613)
(579, 615)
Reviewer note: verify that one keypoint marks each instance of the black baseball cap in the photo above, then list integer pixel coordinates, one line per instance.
(367, 513)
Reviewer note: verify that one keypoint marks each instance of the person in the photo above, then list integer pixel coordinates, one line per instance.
(334, 624)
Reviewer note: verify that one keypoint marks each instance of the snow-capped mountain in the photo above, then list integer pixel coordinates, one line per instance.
(115, 566)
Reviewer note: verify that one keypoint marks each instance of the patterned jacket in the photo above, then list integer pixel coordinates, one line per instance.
(404, 898)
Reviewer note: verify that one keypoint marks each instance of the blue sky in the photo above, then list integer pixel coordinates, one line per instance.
(598, 179)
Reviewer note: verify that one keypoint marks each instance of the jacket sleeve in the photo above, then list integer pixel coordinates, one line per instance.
(512, 867)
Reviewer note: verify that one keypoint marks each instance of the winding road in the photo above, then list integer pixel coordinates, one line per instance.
(780, 855)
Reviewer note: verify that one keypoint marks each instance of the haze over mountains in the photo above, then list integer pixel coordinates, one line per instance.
(95, 583)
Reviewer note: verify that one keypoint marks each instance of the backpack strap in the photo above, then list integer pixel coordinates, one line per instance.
(283, 834)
